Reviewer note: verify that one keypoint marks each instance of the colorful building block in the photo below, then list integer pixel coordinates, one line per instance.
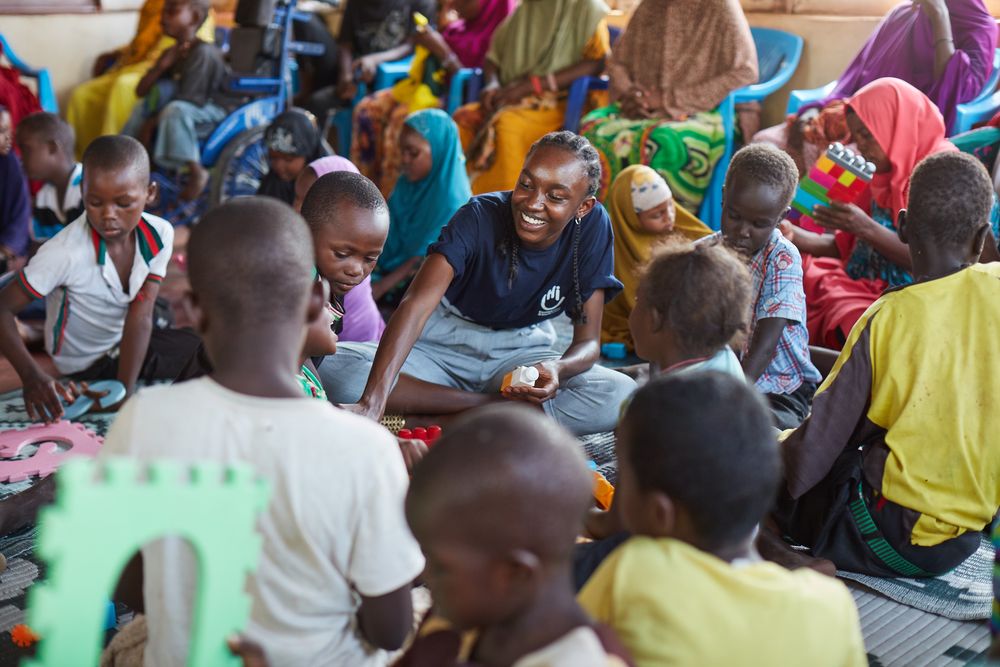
(428, 435)
(840, 174)
(604, 492)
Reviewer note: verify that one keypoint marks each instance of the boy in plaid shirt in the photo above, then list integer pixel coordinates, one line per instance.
(760, 184)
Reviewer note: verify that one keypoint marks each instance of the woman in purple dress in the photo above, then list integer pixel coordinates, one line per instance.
(944, 48)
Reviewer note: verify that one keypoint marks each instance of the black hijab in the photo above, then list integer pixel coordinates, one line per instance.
(294, 132)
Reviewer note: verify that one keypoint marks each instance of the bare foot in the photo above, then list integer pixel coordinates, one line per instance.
(196, 181)
(771, 547)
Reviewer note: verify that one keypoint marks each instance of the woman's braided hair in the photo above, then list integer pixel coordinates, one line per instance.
(587, 155)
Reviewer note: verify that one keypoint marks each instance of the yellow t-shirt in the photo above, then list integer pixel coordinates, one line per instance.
(918, 374)
(672, 604)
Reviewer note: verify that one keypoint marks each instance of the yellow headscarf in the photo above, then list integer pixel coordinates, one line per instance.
(634, 248)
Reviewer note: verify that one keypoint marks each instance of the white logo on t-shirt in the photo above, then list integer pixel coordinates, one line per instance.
(551, 302)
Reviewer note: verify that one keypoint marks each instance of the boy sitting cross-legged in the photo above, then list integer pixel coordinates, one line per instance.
(333, 583)
(497, 533)
(698, 469)
(100, 277)
(897, 470)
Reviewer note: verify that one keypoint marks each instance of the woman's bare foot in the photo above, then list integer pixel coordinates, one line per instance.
(196, 181)
(771, 547)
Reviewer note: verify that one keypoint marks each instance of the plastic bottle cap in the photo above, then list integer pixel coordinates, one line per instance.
(530, 373)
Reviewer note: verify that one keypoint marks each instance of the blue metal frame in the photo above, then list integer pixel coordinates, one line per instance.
(782, 49)
(46, 94)
(275, 91)
(983, 107)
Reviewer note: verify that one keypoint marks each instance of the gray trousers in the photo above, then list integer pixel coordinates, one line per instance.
(457, 353)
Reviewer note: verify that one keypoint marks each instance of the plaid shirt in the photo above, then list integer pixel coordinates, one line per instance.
(776, 281)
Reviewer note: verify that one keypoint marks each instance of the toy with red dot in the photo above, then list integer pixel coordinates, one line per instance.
(428, 435)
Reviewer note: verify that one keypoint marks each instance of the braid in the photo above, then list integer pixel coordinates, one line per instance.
(576, 314)
(512, 274)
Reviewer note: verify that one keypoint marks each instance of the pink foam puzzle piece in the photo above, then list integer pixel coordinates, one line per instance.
(48, 457)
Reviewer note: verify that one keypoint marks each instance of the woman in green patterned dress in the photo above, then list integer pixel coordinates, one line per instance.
(676, 61)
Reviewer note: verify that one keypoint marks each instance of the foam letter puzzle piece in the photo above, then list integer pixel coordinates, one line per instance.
(48, 457)
(213, 508)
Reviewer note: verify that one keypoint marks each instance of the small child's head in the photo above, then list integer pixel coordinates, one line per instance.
(415, 157)
(349, 220)
(496, 506)
(698, 461)
(116, 186)
(250, 263)
(292, 140)
(6, 131)
(760, 185)
(652, 201)
(321, 334)
(948, 210)
(692, 300)
(182, 18)
(46, 143)
(321, 167)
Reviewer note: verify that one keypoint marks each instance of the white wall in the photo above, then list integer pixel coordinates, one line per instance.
(67, 43)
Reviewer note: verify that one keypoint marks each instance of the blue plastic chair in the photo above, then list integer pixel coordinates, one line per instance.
(386, 75)
(984, 106)
(967, 114)
(778, 55)
(46, 95)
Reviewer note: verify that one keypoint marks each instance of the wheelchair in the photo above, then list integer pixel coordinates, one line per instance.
(260, 52)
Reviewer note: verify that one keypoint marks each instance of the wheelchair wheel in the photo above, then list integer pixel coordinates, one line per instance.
(241, 166)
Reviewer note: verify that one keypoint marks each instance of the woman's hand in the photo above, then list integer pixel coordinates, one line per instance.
(367, 68)
(487, 98)
(843, 217)
(637, 103)
(104, 62)
(545, 386)
(512, 93)
(41, 398)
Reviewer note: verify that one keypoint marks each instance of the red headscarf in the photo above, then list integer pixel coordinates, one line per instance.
(907, 126)
(471, 39)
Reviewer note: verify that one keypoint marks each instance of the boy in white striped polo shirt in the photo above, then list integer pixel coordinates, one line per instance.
(100, 277)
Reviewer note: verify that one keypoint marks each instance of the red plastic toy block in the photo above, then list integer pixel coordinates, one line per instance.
(428, 435)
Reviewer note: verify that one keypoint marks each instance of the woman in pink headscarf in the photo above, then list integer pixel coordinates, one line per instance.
(378, 118)
(362, 322)
(895, 126)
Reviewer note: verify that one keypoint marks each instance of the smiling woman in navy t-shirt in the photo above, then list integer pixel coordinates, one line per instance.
(506, 264)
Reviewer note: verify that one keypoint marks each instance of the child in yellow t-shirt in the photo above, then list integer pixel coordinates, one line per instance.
(699, 468)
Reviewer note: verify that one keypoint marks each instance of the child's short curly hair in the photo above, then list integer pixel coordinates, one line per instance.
(701, 293)
(764, 163)
(950, 198)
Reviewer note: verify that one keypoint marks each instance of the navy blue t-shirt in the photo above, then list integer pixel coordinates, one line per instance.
(543, 288)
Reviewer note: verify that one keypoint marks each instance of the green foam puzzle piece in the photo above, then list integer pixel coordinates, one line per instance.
(105, 512)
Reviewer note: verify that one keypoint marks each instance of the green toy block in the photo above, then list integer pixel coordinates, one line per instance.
(214, 508)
